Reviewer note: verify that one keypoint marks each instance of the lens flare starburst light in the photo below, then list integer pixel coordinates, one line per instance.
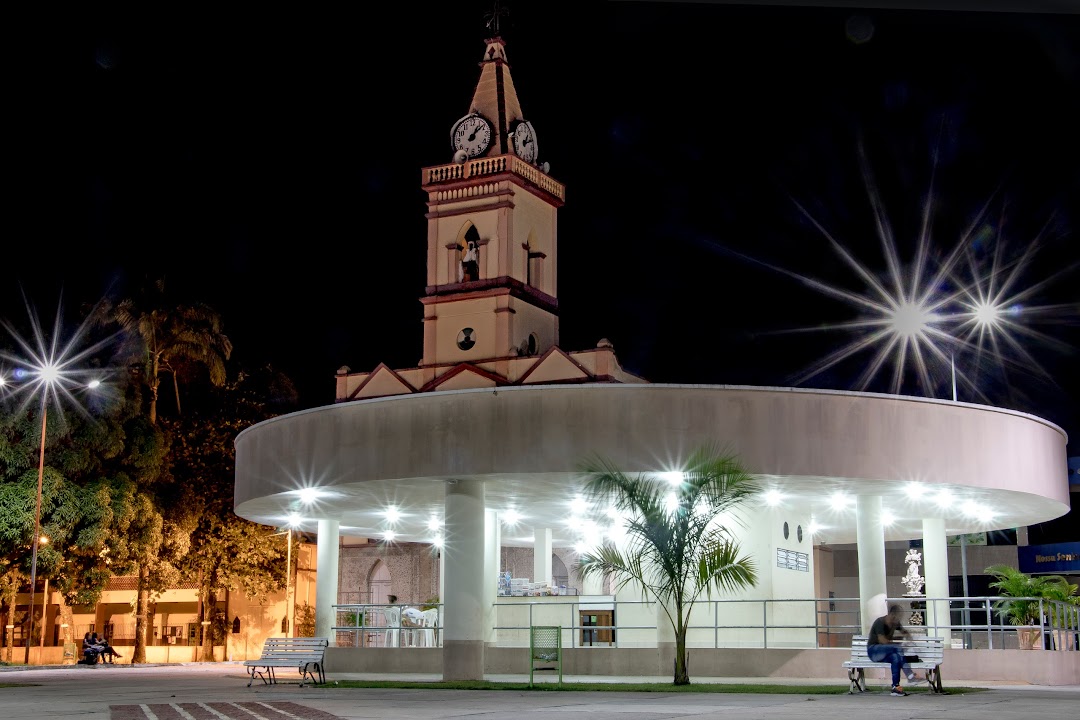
(42, 367)
(918, 316)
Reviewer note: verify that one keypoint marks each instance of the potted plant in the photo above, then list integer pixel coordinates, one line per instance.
(1063, 608)
(1020, 602)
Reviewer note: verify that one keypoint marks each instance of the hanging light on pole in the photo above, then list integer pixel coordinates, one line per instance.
(47, 369)
(48, 376)
(287, 625)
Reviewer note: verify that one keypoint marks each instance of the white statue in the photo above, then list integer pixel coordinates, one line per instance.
(469, 268)
(913, 581)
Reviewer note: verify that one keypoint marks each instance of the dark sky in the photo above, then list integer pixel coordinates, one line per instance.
(267, 162)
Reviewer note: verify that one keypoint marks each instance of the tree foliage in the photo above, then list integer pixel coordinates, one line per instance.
(163, 336)
(88, 471)
(679, 545)
(128, 492)
(227, 553)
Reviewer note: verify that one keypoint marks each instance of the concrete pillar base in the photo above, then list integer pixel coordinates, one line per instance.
(463, 660)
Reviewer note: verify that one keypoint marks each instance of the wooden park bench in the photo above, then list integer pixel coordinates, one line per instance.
(931, 652)
(303, 653)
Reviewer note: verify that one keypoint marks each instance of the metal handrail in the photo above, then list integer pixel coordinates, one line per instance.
(834, 621)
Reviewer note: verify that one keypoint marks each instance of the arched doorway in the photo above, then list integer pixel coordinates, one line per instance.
(379, 592)
(379, 584)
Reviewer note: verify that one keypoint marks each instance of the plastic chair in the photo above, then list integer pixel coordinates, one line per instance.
(431, 623)
(392, 616)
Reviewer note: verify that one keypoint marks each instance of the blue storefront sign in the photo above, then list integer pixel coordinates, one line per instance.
(1057, 558)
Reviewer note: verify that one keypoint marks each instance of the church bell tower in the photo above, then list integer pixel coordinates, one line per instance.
(492, 234)
(490, 304)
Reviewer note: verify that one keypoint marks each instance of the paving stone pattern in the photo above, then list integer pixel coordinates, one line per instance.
(219, 711)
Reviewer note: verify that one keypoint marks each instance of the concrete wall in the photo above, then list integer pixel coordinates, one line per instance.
(1035, 667)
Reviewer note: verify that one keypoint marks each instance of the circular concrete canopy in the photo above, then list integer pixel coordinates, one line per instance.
(811, 446)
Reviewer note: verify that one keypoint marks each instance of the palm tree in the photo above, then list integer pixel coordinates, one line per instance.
(1018, 589)
(171, 338)
(678, 546)
(1063, 608)
(1021, 602)
(174, 338)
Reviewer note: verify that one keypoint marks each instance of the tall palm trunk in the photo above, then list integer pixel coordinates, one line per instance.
(682, 669)
(154, 383)
(138, 654)
(176, 390)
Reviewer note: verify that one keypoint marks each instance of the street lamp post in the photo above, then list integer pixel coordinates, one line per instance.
(292, 521)
(54, 375)
(48, 375)
(963, 537)
(37, 522)
(288, 587)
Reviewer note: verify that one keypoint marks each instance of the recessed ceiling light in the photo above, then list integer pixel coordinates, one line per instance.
(915, 490)
(672, 477)
(839, 501)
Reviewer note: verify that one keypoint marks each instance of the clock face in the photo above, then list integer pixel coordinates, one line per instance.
(472, 134)
(525, 141)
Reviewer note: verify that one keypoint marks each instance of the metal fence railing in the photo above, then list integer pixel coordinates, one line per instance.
(970, 622)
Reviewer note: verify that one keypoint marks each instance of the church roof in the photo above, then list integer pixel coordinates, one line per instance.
(495, 97)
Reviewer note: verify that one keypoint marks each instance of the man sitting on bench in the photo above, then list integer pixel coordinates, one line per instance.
(880, 648)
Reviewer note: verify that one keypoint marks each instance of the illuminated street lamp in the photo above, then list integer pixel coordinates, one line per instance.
(292, 522)
(48, 371)
(48, 376)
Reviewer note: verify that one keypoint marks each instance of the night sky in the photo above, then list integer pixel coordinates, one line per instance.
(267, 162)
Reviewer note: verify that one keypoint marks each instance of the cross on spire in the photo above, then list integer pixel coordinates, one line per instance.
(491, 19)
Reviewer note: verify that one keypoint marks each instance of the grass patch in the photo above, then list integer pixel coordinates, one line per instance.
(548, 686)
(7, 684)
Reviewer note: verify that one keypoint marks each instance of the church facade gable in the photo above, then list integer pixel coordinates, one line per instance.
(380, 382)
(555, 366)
(464, 377)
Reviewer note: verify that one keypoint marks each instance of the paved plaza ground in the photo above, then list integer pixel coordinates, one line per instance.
(218, 691)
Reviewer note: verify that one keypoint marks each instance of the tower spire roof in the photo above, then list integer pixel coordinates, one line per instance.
(495, 97)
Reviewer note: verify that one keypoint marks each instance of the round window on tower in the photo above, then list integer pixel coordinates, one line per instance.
(533, 344)
(785, 531)
(466, 338)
